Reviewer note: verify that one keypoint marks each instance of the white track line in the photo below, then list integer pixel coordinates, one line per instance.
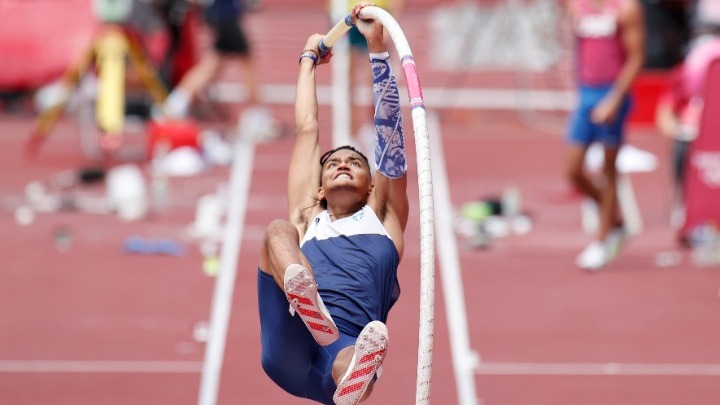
(240, 180)
(547, 369)
(98, 366)
(597, 369)
(464, 359)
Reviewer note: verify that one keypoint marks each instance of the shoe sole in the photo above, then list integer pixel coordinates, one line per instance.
(370, 350)
(301, 292)
(591, 267)
(590, 261)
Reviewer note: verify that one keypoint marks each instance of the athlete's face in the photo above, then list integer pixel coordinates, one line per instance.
(345, 170)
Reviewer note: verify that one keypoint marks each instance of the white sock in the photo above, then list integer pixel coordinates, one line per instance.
(177, 103)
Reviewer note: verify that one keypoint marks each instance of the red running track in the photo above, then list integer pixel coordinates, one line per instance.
(89, 324)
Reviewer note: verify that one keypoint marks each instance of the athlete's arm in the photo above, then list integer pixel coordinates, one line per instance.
(389, 198)
(632, 29)
(304, 169)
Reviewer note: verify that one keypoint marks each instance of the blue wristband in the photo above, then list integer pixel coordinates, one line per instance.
(309, 54)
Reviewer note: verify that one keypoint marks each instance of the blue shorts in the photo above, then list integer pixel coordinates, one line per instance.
(582, 131)
(290, 356)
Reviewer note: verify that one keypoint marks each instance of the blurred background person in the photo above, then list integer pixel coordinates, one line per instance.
(680, 106)
(610, 41)
(180, 55)
(230, 45)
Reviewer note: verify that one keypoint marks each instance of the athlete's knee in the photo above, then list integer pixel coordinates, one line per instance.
(273, 368)
(279, 228)
(282, 375)
(574, 170)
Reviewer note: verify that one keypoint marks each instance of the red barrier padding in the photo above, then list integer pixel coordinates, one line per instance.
(702, 179)
(40, 39)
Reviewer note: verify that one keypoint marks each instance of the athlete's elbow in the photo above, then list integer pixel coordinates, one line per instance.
(306, 129)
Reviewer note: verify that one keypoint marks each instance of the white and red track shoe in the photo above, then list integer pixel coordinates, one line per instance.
(370, 349)
(301, 292)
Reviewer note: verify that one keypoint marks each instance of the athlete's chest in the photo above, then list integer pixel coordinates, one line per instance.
(362, 222)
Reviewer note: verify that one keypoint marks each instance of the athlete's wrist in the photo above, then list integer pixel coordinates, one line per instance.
(377, 46)
(379, 55)
(309, 54)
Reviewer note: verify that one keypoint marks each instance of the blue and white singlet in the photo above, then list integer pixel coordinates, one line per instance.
(355, 264)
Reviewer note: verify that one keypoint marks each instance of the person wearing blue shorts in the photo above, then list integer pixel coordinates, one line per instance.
(327, 275)
(610, 38)
(583, 131)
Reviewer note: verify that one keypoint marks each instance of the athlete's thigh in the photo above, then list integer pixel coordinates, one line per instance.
(288, 349)
(581, 131)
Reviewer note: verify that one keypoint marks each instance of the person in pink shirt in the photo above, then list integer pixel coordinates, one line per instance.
(679, 108)
(610, 45)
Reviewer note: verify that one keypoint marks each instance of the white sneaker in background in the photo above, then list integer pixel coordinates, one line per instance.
(593, 257)
(614, 242)
(177, 104)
